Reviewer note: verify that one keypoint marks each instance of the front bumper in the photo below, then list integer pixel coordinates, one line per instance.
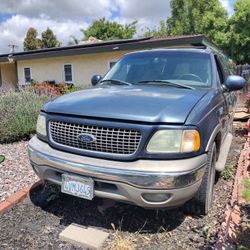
(124, 181)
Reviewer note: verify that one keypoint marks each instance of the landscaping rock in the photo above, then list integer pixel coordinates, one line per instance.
(86, 237)
(15, 171)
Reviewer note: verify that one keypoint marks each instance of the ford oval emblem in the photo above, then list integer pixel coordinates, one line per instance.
(86, 138)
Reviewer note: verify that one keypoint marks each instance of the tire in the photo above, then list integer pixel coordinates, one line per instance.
(202, 201)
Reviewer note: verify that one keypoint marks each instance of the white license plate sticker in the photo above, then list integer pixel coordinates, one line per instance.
(78, 186)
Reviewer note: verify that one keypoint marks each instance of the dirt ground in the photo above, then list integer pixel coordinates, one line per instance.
(30, 226)
(243, 239)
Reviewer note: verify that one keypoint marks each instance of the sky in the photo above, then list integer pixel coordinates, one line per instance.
(67, 17)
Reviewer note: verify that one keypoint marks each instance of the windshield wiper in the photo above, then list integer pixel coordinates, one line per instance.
(116, 81)
(168, 83)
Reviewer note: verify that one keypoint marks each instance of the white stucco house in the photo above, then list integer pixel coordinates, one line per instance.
(76, 64)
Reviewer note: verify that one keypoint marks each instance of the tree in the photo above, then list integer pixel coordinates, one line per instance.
(160, 31)
(49, 39)
(73, 40)
(198, 17)
(239, 32)
(109, 30)
(31, 42)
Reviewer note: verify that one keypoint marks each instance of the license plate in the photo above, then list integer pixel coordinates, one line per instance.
(78, 186)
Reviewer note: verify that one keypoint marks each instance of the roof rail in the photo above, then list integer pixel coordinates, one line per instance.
(197, 41)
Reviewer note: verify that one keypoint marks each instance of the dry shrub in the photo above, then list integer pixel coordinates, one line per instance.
(122, 242)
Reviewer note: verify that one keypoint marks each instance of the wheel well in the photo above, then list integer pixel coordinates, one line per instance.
(217, 141)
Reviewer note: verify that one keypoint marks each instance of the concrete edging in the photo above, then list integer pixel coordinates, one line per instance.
(17, 197)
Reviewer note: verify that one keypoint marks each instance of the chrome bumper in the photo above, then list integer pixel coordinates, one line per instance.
(145, 175)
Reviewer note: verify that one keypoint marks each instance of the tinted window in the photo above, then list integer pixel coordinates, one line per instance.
(111, 64)
(190, 68)
(228, 65)
(219, 70)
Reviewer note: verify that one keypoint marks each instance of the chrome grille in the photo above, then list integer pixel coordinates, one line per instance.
(108, 140)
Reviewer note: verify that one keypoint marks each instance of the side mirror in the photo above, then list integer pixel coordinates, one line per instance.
(95, 79)
(234, 82)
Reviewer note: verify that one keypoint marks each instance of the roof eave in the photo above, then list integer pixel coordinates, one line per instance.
(111, 46)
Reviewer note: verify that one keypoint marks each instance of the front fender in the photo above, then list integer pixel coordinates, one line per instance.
(207, 116)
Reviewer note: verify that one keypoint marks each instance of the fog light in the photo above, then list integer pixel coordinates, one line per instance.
(160, 197)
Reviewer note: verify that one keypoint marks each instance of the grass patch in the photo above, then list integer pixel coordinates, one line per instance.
(18, 112)
(228, 172)
(246, 192)
(242, 247)
(1, 158)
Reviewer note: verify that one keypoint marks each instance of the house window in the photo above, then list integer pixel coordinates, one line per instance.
(68, 73)
(111, 64)
(27, 75)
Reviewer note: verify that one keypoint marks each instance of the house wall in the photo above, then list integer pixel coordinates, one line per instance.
(8, 75)
(83, 67)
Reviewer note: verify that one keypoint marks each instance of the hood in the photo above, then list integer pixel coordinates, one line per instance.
(144, 103)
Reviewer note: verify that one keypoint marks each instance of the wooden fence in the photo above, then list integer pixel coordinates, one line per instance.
(243, 95)
(244, 71)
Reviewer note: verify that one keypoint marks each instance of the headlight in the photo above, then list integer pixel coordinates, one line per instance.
(41, 125)
(174, 141)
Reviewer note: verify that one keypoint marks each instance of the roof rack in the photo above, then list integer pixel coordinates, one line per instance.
(196, 41)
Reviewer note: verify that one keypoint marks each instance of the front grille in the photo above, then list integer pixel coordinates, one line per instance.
(108, 140)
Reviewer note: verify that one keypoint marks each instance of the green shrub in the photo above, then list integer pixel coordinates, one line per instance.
(18, 114)
(228, 172)
(246, 192)
(1, 158)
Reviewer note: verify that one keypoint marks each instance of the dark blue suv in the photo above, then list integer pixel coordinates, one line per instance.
(153, 131)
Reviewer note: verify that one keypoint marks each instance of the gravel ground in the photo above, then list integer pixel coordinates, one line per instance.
(15, 172)
(29, 226)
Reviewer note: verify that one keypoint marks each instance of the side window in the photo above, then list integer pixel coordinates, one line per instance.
(68, 77)
(219, 70)
(231, 66)
(225, 65)
(27, 75)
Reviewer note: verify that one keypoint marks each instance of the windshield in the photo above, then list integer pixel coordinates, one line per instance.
(187, 68)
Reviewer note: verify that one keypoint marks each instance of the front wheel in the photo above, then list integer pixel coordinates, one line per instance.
(202, 201)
